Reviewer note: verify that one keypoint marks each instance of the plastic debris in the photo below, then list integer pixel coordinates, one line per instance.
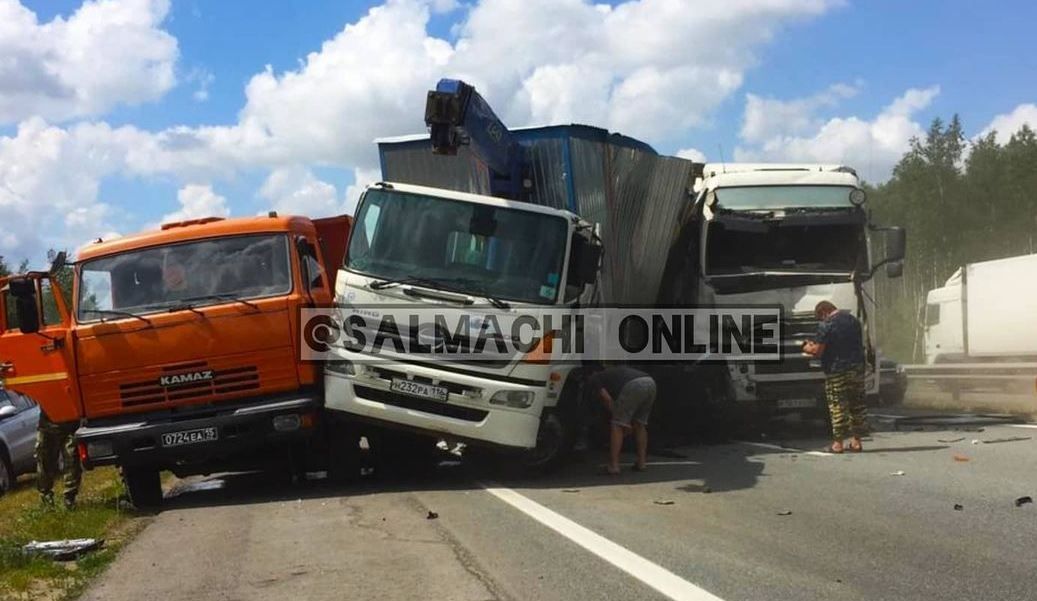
(897, 473)
(63, 550)
(1023, 501)
(961, 458)
(663, 502)
(976, 441)
(958, 507)
(432, 515)
(785, 512)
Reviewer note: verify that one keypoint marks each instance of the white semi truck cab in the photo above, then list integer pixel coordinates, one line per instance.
(423, 248)
(789, 235)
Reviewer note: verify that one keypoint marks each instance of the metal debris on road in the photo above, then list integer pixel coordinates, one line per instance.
(1023, 501)
(663, 502)
(431, 515)
(63, 550)
(958, 507)
(785, 512)
(951, 440)
(897, 473)
(1013, 439)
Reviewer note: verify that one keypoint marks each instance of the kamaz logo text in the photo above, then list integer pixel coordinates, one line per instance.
(205, 375)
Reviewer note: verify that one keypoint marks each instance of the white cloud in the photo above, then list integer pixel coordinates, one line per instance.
(649, 68)
(871, 146)
(197, 201)
(108, 52)
(692, 154)
(766, 118)
(1009, 123)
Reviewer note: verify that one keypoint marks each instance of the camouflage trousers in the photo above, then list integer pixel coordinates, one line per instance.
(55, 442)
(845, 393)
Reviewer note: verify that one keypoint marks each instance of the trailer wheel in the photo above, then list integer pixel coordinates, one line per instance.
(144, 487)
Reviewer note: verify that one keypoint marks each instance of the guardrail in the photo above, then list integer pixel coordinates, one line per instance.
(966, 371)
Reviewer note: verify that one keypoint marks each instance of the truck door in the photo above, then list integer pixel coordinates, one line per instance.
(35, 345)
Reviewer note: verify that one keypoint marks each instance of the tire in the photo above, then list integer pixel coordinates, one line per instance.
(144, 487)
(344, 460)
(7, 477)
(555, 438)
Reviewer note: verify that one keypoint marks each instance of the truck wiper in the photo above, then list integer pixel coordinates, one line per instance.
(118, 314)
(226, 297)
(408, 279)
(479, 289)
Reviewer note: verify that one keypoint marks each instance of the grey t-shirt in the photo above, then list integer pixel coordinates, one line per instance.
(613, 379)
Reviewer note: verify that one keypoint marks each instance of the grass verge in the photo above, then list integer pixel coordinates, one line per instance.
(22, 519)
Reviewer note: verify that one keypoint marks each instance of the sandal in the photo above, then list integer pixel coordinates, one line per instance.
(834, 450)
(856, 446)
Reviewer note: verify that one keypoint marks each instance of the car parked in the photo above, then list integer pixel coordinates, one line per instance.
(19, 417)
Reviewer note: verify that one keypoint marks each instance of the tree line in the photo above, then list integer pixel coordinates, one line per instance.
(961, 202)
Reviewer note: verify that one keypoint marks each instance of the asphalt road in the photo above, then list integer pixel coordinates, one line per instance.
(744, 520)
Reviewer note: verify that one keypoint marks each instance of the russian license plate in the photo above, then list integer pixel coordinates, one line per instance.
(176, 439)
(796, 403)
(419, 389)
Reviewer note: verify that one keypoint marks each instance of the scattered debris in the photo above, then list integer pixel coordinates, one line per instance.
(1014, 439)
(897, 473)
(958, 507)
(663, 502)
(707, 489)
(570, 490)
(63, 550)
(961, 458)
(432, 515)
(951, 440)
(976, 441)
(785, 512)
(1023, 501)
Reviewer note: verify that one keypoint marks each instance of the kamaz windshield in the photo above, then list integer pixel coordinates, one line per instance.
(475, 248)
(184, 275)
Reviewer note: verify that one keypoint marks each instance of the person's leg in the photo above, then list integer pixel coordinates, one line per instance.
(834, 389)
(641, 438)
(73, 471)
(46, 464)
(615, 447)
(858, 411)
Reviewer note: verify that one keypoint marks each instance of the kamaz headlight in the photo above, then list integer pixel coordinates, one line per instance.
(99, 448)
(519, 399)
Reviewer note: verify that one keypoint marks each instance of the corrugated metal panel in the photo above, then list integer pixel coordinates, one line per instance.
(549, 172)
(414, 163)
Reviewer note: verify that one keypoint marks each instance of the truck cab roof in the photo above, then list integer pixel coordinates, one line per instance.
(721, 175)
(475, 198)
(209, 227)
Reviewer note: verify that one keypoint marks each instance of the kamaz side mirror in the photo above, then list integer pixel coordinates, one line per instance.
(23, 291)
(59, 262)
(894, 269)
(896, 244)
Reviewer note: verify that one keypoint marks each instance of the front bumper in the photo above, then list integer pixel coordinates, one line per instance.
(465, 415)
(241, 429)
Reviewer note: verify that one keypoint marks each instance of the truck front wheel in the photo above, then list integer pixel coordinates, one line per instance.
(144, 487)
(555, 439)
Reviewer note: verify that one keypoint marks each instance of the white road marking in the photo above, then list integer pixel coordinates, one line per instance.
(1033, 426)
(657, 577)
(774, 447)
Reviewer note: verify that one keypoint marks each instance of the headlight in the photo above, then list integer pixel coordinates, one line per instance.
(519, 399)
(99, 448)
(343, 367)
(287, 423)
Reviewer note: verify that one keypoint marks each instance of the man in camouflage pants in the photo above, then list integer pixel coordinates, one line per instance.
(53, 440)
(840, 345)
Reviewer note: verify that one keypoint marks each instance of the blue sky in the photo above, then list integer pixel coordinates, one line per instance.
(825, 77)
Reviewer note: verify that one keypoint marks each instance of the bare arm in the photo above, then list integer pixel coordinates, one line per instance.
(606, 398)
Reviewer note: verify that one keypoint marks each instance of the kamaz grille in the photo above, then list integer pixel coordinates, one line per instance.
(225, 381)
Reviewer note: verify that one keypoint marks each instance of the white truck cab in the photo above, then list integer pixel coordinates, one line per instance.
(420, 247)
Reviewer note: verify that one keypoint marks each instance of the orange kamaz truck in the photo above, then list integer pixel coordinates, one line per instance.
(177, 349)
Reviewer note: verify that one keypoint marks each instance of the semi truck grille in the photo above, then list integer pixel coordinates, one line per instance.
(222, 382)
(425, 406)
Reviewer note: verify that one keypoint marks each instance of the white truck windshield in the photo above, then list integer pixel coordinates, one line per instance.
(485, 250)
(756, 198)
(196, 273)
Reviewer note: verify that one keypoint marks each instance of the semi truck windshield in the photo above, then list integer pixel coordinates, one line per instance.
(196, 273)
(756, 198)
(485, 250)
